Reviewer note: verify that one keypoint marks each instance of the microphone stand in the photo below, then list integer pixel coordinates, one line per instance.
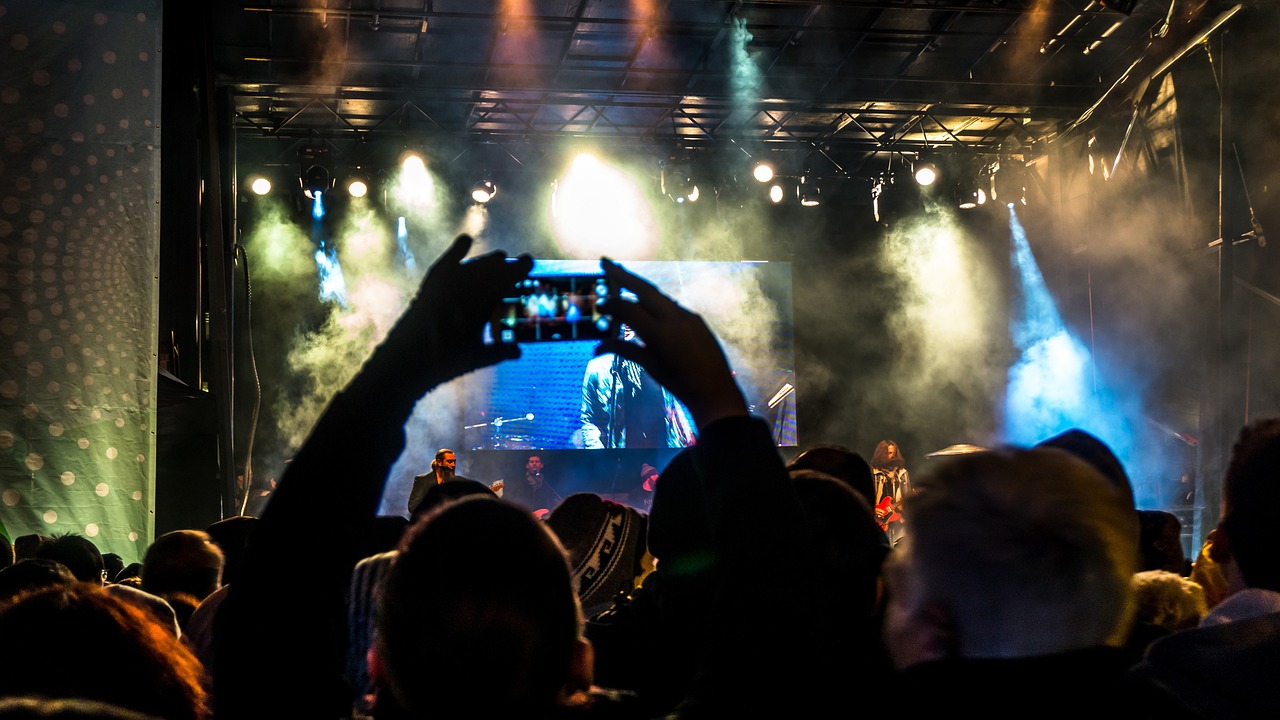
(616, 372)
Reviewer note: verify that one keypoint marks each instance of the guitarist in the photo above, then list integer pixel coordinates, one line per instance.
(892, 484)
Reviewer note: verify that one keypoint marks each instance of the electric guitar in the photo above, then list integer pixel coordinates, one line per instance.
(887, 512)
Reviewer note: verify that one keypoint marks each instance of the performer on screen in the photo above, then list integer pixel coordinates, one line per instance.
(892, 484)
(623, 407)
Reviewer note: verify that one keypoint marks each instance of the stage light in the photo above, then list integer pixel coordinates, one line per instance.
(775, 193)
(808, 191)
(358, 184)
(678, 184)
(483, 191)
(763, 172)
(892, 200)
(259, 185)
(413, 162)
(1009, 182)
(316, 180)
(926, 170)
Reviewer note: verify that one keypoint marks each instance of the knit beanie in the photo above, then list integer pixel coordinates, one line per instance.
(605, 542)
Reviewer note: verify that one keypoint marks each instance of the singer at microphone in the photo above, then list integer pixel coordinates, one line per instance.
(535, 493)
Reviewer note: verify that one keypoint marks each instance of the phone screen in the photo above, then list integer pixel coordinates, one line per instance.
(547, 308)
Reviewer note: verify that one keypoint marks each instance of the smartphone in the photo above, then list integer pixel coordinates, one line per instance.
(550, 308)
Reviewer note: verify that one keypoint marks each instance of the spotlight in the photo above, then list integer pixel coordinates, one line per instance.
(358, 184)
(970, 196)
(809, 192)
(259, 185)
(315, 176)
(892, 201)
(483, 191)
(925, 170)
(763, 172)
(679, 185)
(1009, 182)
(316, 180)
(775, 193)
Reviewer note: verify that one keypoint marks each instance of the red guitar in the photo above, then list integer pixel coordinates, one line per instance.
(887, 512)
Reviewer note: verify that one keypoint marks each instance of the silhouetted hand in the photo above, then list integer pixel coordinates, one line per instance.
(679, 350)
(441, 332)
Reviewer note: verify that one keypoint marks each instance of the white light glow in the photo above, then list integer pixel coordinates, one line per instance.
(597, 209)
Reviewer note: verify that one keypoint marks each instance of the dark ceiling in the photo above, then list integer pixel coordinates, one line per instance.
(845, 85)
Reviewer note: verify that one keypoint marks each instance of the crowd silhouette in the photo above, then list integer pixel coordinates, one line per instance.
(1022, 581)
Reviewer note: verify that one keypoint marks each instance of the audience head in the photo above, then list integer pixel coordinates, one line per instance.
(839, 462)
(1248, 535)
(478, 616)
(6, 552)
(182, 562)
(78, 553)
(605, 542)
(1160, 542)
(1168, 600)
(31, 574)
(851, 544)
(1012, 552)
(442, 493)
(231, 535)
(24, 546)
(80, 641)
(1097, 453)
(42, 708)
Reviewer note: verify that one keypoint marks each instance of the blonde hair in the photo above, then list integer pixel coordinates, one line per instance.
(1169, 600)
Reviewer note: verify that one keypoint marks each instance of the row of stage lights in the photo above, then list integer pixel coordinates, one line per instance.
(993, 181)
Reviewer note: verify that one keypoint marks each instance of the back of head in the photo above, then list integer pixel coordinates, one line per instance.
(231, 535)
(605, 542)
(1093, 450)
(456, 489)
(31, 574)
(1168, 600)
(478, 615)
(1250, 500)
(1160, 542)
(851, 544)
(77, 552)
(42, 708)
(182, 562)
(6, 552)
(25, 546)
(839, 462)
(79, 641)
(1031, 550)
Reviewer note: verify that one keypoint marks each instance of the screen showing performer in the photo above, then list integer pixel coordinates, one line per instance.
(623, 406)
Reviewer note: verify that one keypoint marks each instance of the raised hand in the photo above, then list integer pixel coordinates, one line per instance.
(442, 329)
(678, 349)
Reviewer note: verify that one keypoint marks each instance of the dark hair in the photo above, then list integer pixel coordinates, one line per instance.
(478, 614)
(232, 536)
(183, 561)
(880, 458)
(77, 552)
(32, 573)
(441, 493)
(78, 640)
(6, 552)
(1250, 498)
(841, 463)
